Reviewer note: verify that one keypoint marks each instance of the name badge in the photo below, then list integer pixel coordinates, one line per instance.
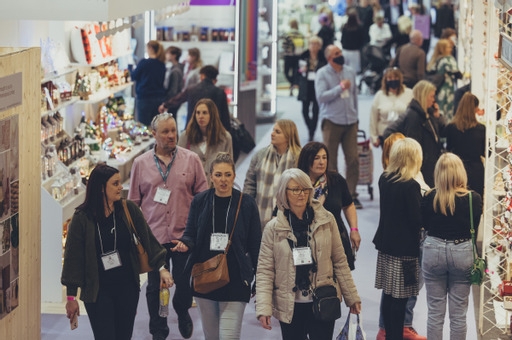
(162, 195)
(111, 260)
(302, 256)
(311, 75)
(218, 241)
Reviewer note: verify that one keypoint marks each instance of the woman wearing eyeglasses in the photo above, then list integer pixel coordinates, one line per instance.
(389, 102)
(300, 250)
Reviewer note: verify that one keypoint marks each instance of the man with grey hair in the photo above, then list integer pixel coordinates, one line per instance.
(163, 183)
(336, 93)
(410, 59)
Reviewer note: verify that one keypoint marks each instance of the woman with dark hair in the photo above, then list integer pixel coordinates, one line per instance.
(465, 137)
(101, 258)
(330, 188)
(212, 217)
(312, 60)
(353, 38)
(388, 104)
(149, 78)
(192, 67)
(205, 135)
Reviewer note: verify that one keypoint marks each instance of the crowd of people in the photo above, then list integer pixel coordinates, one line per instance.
(284, 229)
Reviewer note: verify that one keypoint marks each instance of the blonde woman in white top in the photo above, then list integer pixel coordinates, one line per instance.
(389, 102)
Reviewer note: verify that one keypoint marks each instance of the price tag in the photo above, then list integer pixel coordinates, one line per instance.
(302, 256)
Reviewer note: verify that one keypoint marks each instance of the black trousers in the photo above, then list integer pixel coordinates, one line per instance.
(311, 122)
(182, 299)
(393, 311)
(113, 314)
(305, 326)
(291, 69)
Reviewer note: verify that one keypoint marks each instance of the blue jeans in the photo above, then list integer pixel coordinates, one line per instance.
(221, 319)
(446, 267)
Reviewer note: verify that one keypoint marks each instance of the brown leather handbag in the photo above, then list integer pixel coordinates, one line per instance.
(213, 273)
(144, 266)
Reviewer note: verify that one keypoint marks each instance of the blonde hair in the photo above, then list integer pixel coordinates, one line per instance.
(440, 51)
(386, 147)
(450, 181)
(405, 160)
(420, 92)
(404, 24)
(292, 135)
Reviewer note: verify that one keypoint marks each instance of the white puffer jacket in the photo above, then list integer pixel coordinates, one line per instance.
(275, 276)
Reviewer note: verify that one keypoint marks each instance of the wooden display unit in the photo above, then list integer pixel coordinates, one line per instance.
(24, 322)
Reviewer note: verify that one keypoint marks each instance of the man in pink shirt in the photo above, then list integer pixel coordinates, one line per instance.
(163, 182)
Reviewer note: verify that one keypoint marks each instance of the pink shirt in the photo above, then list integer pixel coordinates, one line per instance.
(186, 178)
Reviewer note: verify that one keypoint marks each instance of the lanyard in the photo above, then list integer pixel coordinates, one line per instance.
(164, 176)
(227, 214)
(115, 235)
(294, 244)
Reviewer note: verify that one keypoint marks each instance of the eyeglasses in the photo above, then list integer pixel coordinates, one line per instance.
(297, 191)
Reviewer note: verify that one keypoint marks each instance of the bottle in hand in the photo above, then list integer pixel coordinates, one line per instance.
(164, 303)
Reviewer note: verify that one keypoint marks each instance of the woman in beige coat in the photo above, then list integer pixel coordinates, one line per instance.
(302, 230)
(205, 135)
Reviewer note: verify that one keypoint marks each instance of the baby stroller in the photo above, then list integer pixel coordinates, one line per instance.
(376, 63)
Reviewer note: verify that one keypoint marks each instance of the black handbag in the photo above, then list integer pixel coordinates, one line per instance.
(242, 139)
(326, 304)
(434, 77)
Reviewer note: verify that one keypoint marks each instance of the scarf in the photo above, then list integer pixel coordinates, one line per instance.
(320, 190)
(272, 166)
(300, 230)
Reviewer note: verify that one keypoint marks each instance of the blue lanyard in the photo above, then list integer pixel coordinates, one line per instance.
(164, 176)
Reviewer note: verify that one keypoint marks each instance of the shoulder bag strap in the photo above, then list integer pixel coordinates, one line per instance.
(234, 223)
(472, 230)
(129, 218)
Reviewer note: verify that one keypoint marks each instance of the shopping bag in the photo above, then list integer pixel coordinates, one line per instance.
(352, 330)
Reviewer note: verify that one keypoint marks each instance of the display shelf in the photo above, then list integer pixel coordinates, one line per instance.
(197, 42)
(104, 94)
(61, 106)
(102, 61)
(58, 73)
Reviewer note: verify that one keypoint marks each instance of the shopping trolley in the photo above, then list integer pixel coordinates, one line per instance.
(365, 155)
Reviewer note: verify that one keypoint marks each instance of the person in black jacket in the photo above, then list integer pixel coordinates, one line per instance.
(331, 189)
(398, 235)
(212, 217)
(311, 60)
(205, 89)
(424, 123)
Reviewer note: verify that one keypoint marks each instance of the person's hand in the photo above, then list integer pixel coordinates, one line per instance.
(265, 322)
(436, 114)
(161, 108)
(166, 280)
(355, 239)
(377, 143)
(345, 84)
(72, 308)
(355, 308)
(180, 246)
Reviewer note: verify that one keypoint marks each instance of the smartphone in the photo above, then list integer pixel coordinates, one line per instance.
(74, 321)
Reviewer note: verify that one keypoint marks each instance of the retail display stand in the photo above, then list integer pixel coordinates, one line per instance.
(24, 322)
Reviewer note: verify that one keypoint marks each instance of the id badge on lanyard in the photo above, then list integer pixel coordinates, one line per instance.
(162, 195)
(219, 241)
(302, 256)
(111, 260)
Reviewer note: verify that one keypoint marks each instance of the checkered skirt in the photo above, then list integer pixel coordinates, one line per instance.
(390, 276)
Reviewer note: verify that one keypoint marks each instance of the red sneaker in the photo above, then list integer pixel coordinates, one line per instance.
(382, 334)
(411, 334)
